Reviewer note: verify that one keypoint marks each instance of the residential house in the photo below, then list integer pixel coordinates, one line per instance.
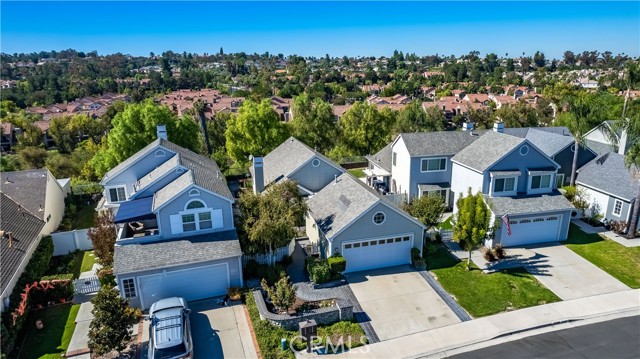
(175, 229)
(294, 160)
(339, 110)
(603, 138)
(610, 186)
(282, 106)
(347, 217)
(517, 180)
(8, 136)
(32, 206)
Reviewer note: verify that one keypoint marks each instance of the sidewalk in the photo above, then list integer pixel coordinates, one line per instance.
(78, 347)
(440, 342)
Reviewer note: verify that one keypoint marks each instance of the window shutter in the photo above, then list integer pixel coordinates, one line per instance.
(176, 223)
(216, 218)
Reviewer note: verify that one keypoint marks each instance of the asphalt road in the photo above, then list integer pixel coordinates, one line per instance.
(615, 339)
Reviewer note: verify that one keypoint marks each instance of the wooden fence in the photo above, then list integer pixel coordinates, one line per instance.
(270, 258)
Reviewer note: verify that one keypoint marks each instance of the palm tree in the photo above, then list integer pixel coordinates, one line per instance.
(584, 110)
(199, 107)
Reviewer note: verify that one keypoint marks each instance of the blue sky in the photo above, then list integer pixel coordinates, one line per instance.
(319, 28)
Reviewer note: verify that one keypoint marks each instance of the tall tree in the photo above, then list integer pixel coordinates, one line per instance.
(135, 127)
(413, 118)
(103, 237)
(364, 129)
(313, 122)
(538, 59)
(110, 328)
(471, 225)
(199, 108)
(256, 130)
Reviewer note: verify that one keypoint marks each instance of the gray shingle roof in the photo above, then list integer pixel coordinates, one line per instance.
(26, 230)
(528, 204)
(286, 158)
(159, 171)
(28, 188)
(549, 143)
(382, 158)
(599, 147)
(523, 131)
(486, 150)
(166, 193)
(433, 186)
(505, 173)
(607, 173)
(441, 143)
(131, 160)
(339, 203)
(132, 258)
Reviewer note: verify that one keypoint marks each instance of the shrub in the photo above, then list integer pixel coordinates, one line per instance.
(103, 237)
(271, 273)
(113, 319)
(234, 293)
(488, 254)
(60, 291)
(337, 264)
(415, 253)
(499, 252)
(282, 295)
(106, 277)
(268, 335)
(420, 263)
(320, 273)
(429, 249)
(251, 268)
(437, 237)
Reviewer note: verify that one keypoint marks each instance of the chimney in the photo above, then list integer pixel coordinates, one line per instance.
(258, 175)
(498, 126)
(622, 143)
(467, 126)
(10, 234)
(161, 130)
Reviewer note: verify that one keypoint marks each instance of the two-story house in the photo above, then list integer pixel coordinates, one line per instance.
(517, 180)
(175, 230)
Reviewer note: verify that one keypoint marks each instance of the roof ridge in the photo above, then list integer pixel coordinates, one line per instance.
(21, 207)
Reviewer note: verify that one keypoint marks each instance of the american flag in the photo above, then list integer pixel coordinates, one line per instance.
(505, 219)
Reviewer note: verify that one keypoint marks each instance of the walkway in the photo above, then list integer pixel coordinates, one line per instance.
(444, 341)
(445, 296)
(338, 290)
(78, 347)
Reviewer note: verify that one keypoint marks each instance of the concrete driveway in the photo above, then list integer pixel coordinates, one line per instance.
(569, 275)
(218, 332)
(399, 301)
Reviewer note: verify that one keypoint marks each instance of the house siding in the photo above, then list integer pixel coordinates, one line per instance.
(463, 179)
(315, 178)
(565, 159)
(419, 177)
(363, 228)
(600, 198)
(400, 173)
(178, 203)
(235, 275)
(564, 226)
(53, 205)
(514, 161)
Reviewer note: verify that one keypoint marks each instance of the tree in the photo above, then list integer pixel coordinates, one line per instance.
(62, 166)
(32, 157)
(69, 131)
(199, 108)
(112, 321)
(427, 209)
(103, 237)
(268, 220)
(313, 122)
(412, 118)
(255, 130)
(282, 294)
(136, 127)
(569, 58)
(471, 225)
(538, 59)
(364, 129)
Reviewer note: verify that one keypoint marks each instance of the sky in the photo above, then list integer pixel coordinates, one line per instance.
(318, 28)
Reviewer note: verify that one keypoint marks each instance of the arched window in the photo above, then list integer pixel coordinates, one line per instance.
(194, 192)
(195, 204)
(160, 153)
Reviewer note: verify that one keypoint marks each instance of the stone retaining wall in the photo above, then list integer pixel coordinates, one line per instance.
(328, 315)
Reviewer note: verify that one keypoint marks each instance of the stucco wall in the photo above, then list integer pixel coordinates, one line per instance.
(464, 178)
(53, 205)
(400, 173)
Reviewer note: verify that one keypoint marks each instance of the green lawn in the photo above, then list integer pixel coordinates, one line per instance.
(485, 294)
(446, 224)
(84, 216)
(358, 172)
(621, 262)
(88, 259)
(53, 340)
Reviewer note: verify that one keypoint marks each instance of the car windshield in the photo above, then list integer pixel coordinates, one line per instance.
(170, 352)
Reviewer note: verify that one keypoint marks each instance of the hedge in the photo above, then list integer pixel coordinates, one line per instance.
(318, 269)
(59, 293)
(35, 269)
(337, 264)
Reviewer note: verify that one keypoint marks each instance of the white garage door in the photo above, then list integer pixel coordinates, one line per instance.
(532, 230)
(192, 284)
(377, 253)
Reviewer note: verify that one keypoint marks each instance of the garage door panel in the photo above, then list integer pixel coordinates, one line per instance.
(376, 253)
(192, 284)
(532, 230)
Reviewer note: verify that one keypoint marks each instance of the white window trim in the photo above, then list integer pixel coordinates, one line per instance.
(526, 150)
(374, 216)
(160, 153)
(615, 202)
(135, 287)
(194, 192)
(552, 182)
(433, 159)
(186, 206)
(492, 192)
(126, 193)
(315, 162)
(558, 176)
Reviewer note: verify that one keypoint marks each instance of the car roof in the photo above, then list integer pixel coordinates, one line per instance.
(167, 303)
(168, 327)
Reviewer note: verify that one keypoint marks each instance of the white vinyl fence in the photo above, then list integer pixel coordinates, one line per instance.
(67, 242)
(270, 258)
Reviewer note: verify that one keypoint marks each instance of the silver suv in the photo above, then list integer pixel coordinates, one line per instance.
(170, 330)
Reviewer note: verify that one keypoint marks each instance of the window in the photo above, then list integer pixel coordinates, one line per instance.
(397, 239)
(117, 194)
(559, 180)
(315, 162)
(552, 218)
(389, 240)
(160, 153)
(365, 244)
(378, 218)
(381, 241)
(440, 192)
(434, 164)
(539, 220)
(347, 246)
(188, 222)
(195, 204)
(393, 158)
(513, 222)
(504, 184)
(524, 150)
(525, 221)
(204, 219)
(128, 285)
(404, 239)
(356, 245)
(194, 192)
(617, 208)
(540, 181)
(373, 243)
